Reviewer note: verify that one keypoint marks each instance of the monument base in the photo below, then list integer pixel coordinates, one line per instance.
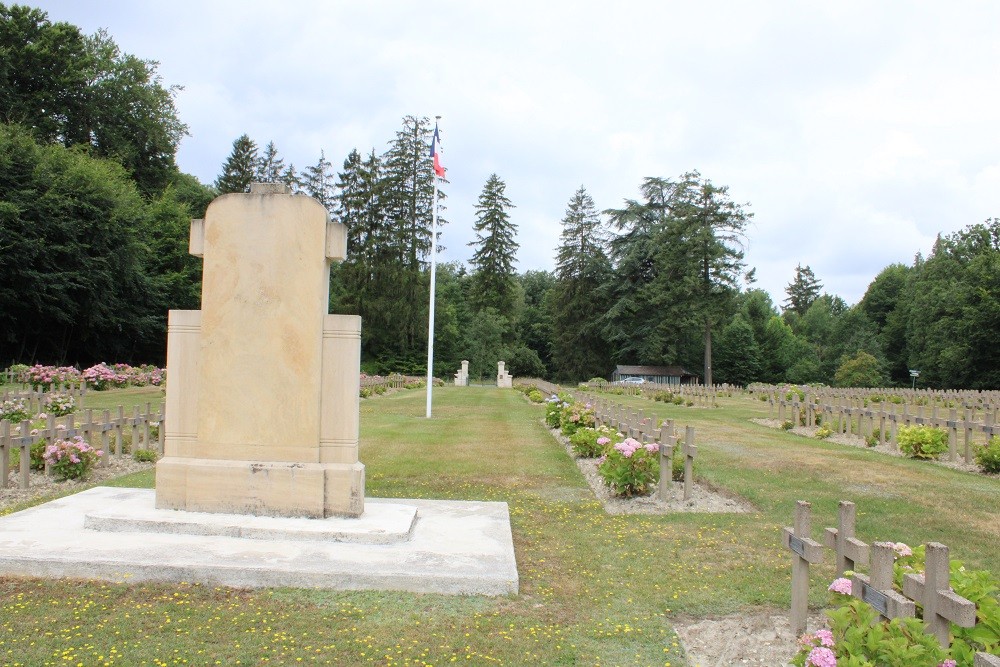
(454, 547)
(261, 488)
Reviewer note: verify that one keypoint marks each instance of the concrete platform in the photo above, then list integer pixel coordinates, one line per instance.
(453, 547)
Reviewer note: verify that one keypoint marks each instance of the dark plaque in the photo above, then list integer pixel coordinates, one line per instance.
(796, 545)
(878, 601)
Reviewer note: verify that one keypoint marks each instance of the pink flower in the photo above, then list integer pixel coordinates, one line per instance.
(825, 637)
(902, 550)
(841, 585)
(948, 663)
(821, 657)
(603, 441)
(652, 447)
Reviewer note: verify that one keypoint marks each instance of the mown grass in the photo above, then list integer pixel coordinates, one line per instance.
(595, 589)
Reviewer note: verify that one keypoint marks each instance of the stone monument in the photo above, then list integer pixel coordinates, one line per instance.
(504, 379)
(262, 394)
(462, 376)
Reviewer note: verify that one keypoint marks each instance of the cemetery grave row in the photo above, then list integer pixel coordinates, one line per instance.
(940, 605)
(879, 422)
(110, 432)
(642, 428)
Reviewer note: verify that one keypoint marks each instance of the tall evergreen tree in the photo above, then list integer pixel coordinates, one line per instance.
(318, 183)
(240, 168)
(802, 291)
(271, 168)
(579, 349)
(493, 284)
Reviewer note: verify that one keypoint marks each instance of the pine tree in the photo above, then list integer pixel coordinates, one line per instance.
(318, 183)
(579, 350)
(493, 260)
(802, 291)
(271, 168)
(240, 168)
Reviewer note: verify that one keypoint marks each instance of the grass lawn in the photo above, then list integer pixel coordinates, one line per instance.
(595, 589)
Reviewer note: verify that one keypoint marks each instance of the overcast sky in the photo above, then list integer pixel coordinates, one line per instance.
(857, 131)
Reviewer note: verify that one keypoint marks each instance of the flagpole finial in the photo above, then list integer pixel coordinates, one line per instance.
(437, 117)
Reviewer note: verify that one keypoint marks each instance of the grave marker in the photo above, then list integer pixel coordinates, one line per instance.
(666, 466)
(850, 551)
(804, 551)
(932, 589)
(877, 591)
(690, 450)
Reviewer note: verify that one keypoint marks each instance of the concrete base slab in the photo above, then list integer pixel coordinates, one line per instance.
(455, 547)
(382, 523)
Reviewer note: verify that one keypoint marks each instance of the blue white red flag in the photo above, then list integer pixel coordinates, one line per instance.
(436, 153)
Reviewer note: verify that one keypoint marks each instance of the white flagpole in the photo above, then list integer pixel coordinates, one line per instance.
(430, 318)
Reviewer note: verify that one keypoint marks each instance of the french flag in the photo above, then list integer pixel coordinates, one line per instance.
(436, 153)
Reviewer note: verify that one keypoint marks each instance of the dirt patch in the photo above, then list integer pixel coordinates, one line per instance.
(40, 484)
(758, 639)
(703, 498)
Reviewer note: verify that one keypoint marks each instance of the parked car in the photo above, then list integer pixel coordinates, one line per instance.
(632, 380)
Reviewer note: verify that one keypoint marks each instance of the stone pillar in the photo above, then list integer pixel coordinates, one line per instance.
(262, 390)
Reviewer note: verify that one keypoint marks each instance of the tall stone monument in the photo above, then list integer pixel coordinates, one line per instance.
(262, 388)
(504, 379)
(462, 376)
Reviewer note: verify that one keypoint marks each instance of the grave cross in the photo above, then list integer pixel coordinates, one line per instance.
(878, 591)
(987, 660)
(932, 589)
(850, 551)
(666, 466)
(804, 551)
(690, 451)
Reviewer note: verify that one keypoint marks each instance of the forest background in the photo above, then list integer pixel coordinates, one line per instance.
(94, 217)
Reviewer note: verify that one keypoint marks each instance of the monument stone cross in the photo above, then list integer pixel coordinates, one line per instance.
(877, 591)
(690, 450)
(850, 551)
(932, 589)
(804, 551)
(287, 446)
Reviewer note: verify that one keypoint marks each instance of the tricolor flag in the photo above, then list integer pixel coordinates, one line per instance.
(436, 153)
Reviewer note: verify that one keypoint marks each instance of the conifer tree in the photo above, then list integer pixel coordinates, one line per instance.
(579, 351)
(493, 261)
(271, 168)
(802, 291)
(317, 182)
(240, 168)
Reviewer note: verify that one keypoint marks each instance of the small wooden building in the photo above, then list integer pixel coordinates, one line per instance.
(669, 375)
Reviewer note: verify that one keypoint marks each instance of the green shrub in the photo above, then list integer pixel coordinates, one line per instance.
(144, 455)
(988, 456)
(592, 442)
(922, 442)
(553, 411)
(630, 468)
(873, 439)
(37, 455)
(535, 396)
(575, 416)
(14, 410)
(823, 432)
(787, 425)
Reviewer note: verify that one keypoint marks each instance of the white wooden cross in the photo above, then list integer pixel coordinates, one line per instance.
(850, 551)
(932, 589)
(804, 551)
(987, 660)
(878, 591)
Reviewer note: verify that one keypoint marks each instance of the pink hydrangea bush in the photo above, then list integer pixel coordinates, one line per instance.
(71, 459)
(630, 468)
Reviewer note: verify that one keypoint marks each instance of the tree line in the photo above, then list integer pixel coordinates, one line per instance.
(94, 216)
